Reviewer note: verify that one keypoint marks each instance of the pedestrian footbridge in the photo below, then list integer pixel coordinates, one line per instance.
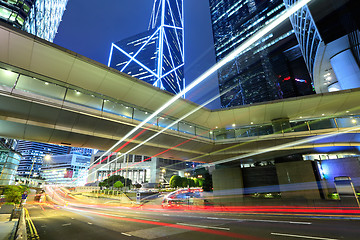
(50, 94)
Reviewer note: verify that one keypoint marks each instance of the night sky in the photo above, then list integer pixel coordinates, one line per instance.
(89, 27)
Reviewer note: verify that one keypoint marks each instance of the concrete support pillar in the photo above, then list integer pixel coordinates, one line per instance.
(346, 69)
(228, 186)
(281, 125)
(297, 180)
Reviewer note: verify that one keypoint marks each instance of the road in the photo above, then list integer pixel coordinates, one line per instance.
(94, 222)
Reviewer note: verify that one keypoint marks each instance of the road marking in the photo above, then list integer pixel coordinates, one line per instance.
(126, 234)
(301, 223)
(213, 218)
(301, 236)
(72, 218)
(201, 226)
(66, 224)
(273, 221)
(166, 214)
(89, 223)
(147, 219)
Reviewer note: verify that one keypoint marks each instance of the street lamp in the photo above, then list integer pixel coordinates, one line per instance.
(187, 174)
(47, 157)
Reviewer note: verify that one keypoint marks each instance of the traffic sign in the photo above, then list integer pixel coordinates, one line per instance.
(24, 196)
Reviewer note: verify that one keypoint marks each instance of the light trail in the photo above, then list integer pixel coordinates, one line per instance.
(280, 147)
(257, 36)
(167, 127)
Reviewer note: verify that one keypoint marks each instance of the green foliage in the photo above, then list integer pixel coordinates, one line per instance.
(118, 184)
(184, 182)
(199, 182)
(109, 182)
(13, 193)
(175, 181)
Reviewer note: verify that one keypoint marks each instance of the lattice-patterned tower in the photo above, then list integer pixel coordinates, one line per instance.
(157, 55)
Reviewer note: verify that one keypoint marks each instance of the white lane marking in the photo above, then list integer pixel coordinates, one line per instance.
(147, 219)
(301, 223)
(273, 221)
(201, 226)
(166, 214)
(126, 234)
(213, 218)
(66, 224)
(301, 236)
(89, 223)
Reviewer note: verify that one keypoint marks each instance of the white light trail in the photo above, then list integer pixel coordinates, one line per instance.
(280, 147)
(167, 127)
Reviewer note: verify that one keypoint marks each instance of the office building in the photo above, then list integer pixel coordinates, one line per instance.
(155, 56)
(9, 161)
(271, 69)
(15, 12)
(38, 17)
(67, 170)
(328, 34)
(138, 168)
(82, 151)
(33, 154)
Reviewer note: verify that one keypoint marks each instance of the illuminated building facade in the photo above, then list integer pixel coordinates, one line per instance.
(15, 12)
(67, 170)
(38, 17)
(328, 35)
(138, 168)
(9, 161)
(44, 18)
(33, 154)
(157, 55)
(272, 69)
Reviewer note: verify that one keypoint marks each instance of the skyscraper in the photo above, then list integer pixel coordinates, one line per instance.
(272, 69)
(155, 56)
(33, 154)
(38, 17)
(328, 34)
(15, 12)
(44, 18)
(9, 161)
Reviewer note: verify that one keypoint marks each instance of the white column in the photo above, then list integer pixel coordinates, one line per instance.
(346, 69)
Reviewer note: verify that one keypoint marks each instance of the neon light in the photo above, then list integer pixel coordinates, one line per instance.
(149, 70)
(132, 58)
(160, 9)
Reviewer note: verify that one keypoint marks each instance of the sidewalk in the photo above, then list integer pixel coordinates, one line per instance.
(7, 228)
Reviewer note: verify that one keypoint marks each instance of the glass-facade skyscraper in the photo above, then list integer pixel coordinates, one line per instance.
(38, 17)
(272, 69)
(155, 56)
(33, 154)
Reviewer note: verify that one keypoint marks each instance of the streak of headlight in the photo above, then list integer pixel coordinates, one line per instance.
(280, 147)
(257, 36)
(167, 127)
(124, 145)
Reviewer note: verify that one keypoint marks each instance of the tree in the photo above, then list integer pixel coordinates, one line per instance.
(184, 182)
(109, 182)
(13, 193)
(175, 181)
(118, 185)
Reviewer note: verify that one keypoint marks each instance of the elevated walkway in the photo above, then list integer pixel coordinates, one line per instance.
(50, 94)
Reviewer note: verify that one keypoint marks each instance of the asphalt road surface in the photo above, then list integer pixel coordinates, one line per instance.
(91, 222)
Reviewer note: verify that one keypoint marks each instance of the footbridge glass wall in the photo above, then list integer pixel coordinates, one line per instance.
(42, 89)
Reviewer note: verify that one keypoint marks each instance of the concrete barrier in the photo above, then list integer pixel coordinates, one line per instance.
(21, 233)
